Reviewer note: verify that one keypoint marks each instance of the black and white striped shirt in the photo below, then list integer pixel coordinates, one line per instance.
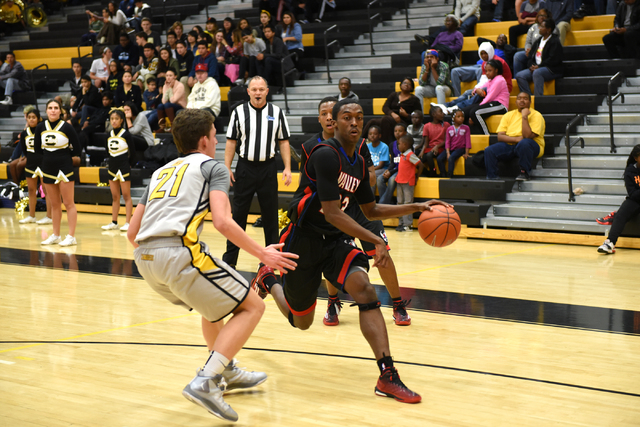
(257, 130)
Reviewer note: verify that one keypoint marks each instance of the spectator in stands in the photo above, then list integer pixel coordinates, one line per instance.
(138, 127)
(142, 10)
(499, 10)
(433, 136)
(520, 58)
(152, 95)
(624, 37)
(211, 27)
(501, 48)
(272, 57)
(141, 40)
(171, 43)
(127, 91)
(457, 144)
(396, 110)
(174, 97)
(88, 96)
(205, 94)
(250, 65)
(409, 169)
(152, 36)
(126, 52)
(93, 120)
(178, 29)
(434, 79)
(99, 71)
(220, 52)
(495, 98)
(204, 57)
(229, 56)
(520, 134)
(476, 72)
(629, 209)
(115, 76)
(164, 63)
(265, 19)
(198, 30)
(527, 11)
(544, 61)
(416, 128)
(192, 42)
(68, 98)
(345, 89)
(379, 152)
(185, 63)
(561, 14)
(292, 36)
(451, 38)
(468, 13)
(149, 66)
(114, 21)
(243, 24)
(95, 25)
(228, 27)
(387, 181)
(127, 6)
(13, 78)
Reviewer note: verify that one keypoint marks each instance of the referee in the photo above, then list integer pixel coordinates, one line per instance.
(254, 128)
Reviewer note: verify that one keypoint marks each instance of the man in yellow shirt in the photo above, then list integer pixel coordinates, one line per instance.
(520, 134)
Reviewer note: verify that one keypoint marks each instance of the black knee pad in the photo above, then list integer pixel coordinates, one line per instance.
(368, 306)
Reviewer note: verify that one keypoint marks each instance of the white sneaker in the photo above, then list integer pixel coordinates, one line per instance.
(207, 392)
(68, 241)
(237, 377)
(110, 226)
(125, 227)
(45, 220)
(607, 248)
(28, 220)
(442, 107)
(51, 240)
(453, 109)
(7, 101)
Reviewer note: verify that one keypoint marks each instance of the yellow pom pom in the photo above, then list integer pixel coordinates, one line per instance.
(21, 205)
(283, 219)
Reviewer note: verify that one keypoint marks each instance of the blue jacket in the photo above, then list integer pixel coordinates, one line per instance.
(212, 63)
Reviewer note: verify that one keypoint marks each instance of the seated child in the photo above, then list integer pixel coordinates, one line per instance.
(457, 144)
(409, 168)
(387, 181)
(433, 139)
(379, 152)
(415, 128)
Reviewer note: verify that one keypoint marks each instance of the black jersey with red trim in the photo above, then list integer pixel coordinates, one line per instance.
(328, 174)
(361, 149)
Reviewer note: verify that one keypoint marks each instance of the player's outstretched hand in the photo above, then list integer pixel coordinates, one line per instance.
(282, 261)
(427, 205)
(381, 259)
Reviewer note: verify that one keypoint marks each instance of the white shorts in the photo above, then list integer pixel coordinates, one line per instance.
(168, 267)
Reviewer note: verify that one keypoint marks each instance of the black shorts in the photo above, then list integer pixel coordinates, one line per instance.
(53, 169)
(375, 227)
(119, 164)
(34, 161)
(332, 257)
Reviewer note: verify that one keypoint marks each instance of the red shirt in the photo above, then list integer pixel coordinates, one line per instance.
(435, 134)
(407, 168)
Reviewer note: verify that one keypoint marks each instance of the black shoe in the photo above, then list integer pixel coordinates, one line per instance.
(583, 11)
(258, 222)
(523, 176)
(421, 39)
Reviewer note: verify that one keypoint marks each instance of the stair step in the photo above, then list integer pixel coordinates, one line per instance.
(577, 173)
(597, 151)
(565, 211)
(599, 186)
(617, 119)
(605, 128)
(588, 199)
(547, 224)
(586, 162)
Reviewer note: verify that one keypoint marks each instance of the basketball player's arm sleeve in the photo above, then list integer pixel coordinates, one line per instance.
(324, 164)
(217, 175)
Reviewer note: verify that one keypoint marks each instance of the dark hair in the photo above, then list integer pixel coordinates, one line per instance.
(407, 139)
(172, 33)
(149, 46)
(173, 70)
(120, 114)
(246, 32)
(207, 37)
(202, 42)
(141, 34)
(85, 77)
(127, 72)
(145, 19)
(269, 26)
(402, 125)
(133, 107)
(152, 79)
(327, 99)
(376, 127)
(193, 34)
(200, 30)
(635, 152)
(189, 126)
(345, 78)
(418, 112)
(413, 85)
(550, 24)
(247, 21)
(107, 94)
(459, 111)
(168, 50)
(340, 104)
(291, 24)
(59, 106)
(118, 66)
(36, 112)
(433, 109)
(10, 53)
(183, 43)
(227, 19)
(495, 64)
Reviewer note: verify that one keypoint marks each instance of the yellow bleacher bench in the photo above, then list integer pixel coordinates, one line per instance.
(308, 39)
(55, 58)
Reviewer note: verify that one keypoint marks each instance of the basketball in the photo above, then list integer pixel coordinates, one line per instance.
(439, 227)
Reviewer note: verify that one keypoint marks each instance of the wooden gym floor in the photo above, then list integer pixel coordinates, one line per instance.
(503, 334)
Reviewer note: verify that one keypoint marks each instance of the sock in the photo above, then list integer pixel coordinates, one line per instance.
(396, 299)
(385, 362)
(333, 296)
(115, 222)
(215, 364)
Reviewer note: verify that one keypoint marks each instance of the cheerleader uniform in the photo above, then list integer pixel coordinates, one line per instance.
(58, 143)
(118, 144)
(34, 160)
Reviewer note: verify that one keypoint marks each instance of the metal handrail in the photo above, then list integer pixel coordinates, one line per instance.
(81, 56)
(406, 12)
(568, 143)
(610, 100)
(373, 52)
(284, 79)
(326, 49)
(33, 83)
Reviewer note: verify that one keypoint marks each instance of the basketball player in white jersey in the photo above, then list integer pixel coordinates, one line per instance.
(165, 230)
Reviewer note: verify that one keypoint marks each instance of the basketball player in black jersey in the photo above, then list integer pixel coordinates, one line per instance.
(388, 273)
(319, 231)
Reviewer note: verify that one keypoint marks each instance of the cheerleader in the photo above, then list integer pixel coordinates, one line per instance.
(121, 150)
(32, 169)
(58, 144)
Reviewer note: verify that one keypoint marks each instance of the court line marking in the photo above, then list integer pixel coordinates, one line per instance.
(39, 343)
(311, 353)
(477, 259)
(6, 362)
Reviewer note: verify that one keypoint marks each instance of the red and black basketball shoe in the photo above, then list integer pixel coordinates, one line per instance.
(400, 315)
(333, 310)
(606, 220)
(257, 284)
(390, 385)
